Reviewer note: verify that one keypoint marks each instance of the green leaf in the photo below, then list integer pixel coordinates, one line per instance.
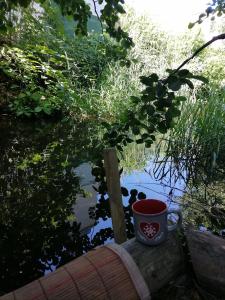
(22, 95)
(169, 71)
(201, 78)
(188, 82)
(124, 191)
(154, 77)
(120, 148)
(135, 99)
(162, 128)
(141, 196)
(148, 143)
(150, 110)
(180, 98)
(27, 114)
(112, 134)
(146, 80)
(152, 137)
(36, 158)
(202, 15)
(183, 72)
(120, 9)
(175, 84)
(191, 25)
(161, 90)
(175, 112)
(36, 96)
(149, 94)
(144, 136)
(38, 109)
(47, 110)
(150, 128)
(129, 140)
(139, 141)
(135, 130)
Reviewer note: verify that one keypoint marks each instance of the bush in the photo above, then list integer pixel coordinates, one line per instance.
(35, 85)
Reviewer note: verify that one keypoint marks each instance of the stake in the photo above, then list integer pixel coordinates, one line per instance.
(115, 197)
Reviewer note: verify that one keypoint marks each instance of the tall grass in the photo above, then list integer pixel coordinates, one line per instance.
(197, 141)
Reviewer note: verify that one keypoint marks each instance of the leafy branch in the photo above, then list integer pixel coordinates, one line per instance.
(151, 113)
(217, 7)
(215, 38)
(81, 13)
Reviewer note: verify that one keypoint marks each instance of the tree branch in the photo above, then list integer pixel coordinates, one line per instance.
(95, 8)
(215, 38)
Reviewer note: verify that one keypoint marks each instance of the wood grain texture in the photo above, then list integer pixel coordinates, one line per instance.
(158, 264)
(115, 197)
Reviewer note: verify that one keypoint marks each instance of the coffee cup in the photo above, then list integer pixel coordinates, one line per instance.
(151, 221)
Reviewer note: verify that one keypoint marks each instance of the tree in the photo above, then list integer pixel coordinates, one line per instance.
(79, 10)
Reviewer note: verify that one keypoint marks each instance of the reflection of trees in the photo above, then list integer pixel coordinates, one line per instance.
(38, 187)
(102, 210)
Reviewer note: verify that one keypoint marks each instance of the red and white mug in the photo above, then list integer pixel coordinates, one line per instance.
(150, 221)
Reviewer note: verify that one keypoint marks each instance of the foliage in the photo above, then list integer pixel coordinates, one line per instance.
(215, 8)
(154, 51)
(154, 112)
(38, 188)
(45, 178)
(110, 99)
(195, 144)
(59, 69)
(79, 10)
(34, 82)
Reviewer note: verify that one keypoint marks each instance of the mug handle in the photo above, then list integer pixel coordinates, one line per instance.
(179, 222)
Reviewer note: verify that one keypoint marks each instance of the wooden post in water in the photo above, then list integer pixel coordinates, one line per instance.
(115, 196)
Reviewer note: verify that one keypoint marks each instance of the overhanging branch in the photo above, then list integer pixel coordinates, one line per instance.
(95, 8)
(215, 38)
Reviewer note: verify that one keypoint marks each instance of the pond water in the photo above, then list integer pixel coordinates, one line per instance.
(44, 168)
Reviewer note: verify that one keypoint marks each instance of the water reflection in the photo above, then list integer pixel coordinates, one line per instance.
(40, 180)
(38, 187)
(43, 170)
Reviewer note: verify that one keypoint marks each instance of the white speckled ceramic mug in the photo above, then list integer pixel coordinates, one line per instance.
(150, 221)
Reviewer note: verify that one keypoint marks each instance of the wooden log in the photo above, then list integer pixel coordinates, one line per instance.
(208, 260)
(157, 264)
(115, 197)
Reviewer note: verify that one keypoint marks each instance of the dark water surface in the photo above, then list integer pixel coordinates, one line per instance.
(41, 166)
